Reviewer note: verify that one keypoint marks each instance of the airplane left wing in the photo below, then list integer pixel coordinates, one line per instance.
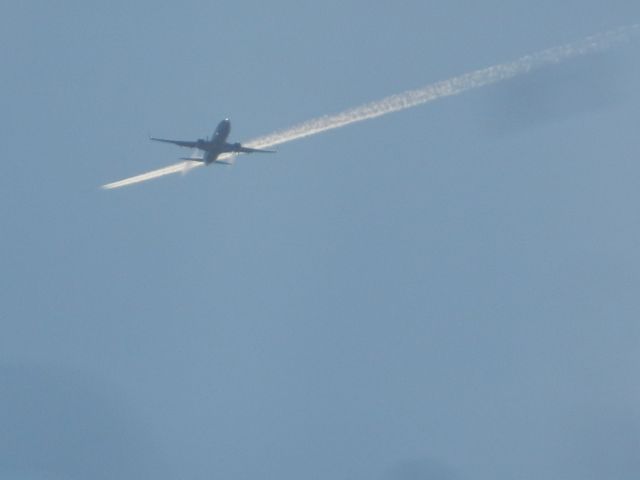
(180, 143)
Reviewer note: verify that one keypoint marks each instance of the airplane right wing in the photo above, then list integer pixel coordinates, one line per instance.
(180, 143)
(243, 149)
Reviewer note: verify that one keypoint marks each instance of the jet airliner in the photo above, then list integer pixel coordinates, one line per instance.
(215, 146)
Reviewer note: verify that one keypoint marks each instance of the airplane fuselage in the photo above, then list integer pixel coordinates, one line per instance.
(218, 143)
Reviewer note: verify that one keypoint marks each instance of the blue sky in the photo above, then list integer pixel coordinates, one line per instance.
(447, 292)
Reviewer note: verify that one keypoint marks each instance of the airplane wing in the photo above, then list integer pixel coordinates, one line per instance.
(181, 143)
(242, 149)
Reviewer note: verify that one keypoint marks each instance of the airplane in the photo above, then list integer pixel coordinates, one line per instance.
(216, 146)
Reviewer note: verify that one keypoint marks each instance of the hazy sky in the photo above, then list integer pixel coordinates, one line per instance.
(448, 292)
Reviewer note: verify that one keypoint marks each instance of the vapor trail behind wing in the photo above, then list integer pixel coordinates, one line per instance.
(181, 167)
(428, 93)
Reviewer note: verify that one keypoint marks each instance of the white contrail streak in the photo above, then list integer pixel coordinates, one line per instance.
(412, 98)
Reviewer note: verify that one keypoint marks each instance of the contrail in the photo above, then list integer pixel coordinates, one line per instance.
(413, 98)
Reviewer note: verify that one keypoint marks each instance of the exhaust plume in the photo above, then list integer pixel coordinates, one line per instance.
(412, 98)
